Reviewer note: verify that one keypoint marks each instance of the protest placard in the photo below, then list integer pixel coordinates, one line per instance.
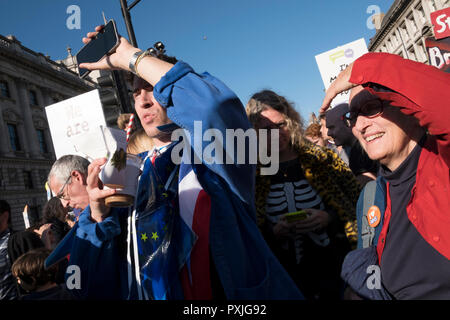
(332, 62)
(441, 23)
(75, 120)
(439, 53)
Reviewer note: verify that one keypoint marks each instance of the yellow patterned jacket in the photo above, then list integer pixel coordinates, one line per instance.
(329, 176)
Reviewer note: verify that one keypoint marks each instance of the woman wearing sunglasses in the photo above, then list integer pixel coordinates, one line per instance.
(400, 113)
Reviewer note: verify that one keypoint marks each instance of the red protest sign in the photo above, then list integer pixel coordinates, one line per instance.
(439, 53)
(441, 22)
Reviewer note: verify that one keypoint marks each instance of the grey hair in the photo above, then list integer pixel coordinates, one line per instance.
(63, 167)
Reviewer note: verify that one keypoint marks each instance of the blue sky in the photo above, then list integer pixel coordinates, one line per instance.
(248, 44)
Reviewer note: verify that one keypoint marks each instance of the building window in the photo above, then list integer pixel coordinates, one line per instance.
(412, 23)
(27, 180)
(404, 37)
(394, 40)
(388, 45)
(421, 52)
(33, 98)
(431, 5)
(4, 89)
(41, 139)
(43, 176)
(420, 14)
(412, 54)
(13, 137)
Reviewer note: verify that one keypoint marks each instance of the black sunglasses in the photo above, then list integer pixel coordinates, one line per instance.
(370, 109)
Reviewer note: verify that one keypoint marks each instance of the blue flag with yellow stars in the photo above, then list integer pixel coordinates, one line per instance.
(164, 240)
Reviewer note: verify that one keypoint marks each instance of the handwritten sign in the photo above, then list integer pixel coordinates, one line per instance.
(332, 62)
(71, 119)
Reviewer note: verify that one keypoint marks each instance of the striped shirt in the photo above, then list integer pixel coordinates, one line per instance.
(290, 192)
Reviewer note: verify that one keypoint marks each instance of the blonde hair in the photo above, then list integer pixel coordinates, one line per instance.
(313, 130)
(265, 99)
(139, 142)
(123, 119)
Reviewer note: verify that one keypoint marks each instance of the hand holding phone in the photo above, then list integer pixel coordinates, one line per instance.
(315, 220)
(119, 57)
(295, 216)
(105, 42)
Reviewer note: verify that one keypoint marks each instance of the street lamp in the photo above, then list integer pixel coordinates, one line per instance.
(126, 16)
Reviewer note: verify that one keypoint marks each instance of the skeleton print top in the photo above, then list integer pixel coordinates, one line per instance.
(290, 192)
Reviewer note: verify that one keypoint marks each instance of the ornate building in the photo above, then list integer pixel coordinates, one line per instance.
(404, 28)
(29, 81)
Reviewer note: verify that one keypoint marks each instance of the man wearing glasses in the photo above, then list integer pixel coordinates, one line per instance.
(400, 114)
(362, 167)
(67, 180)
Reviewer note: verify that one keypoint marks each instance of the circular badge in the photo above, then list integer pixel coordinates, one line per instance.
(373, 216)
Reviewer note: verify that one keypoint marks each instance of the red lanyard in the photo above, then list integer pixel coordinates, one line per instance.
(387, 217)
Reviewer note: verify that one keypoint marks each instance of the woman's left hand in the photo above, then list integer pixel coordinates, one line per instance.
(317, 220)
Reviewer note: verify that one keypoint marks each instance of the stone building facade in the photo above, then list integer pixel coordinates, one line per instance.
(29, 82)
(404, 28)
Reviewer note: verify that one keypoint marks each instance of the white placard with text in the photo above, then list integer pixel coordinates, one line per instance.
(76, 119)
(332, 62)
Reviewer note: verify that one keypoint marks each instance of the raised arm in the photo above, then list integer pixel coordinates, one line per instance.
(150, 69)
(419, 90)
(195, 102)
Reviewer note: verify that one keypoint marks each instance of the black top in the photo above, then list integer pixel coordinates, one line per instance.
(312, 259)
(359, 161)
(290, 191)
(58, 292)
(410, 267)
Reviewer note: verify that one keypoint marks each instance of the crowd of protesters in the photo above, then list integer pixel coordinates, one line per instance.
(366, 187)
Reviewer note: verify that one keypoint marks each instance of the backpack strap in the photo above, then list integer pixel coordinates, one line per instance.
(368, 232)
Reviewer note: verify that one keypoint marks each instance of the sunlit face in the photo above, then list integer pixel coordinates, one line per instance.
(273, 119)
(149, 111)
(389, 136)
(383, 137)
(72, 193)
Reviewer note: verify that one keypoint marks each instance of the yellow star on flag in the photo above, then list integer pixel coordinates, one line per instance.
(155, 235)
(144, 236)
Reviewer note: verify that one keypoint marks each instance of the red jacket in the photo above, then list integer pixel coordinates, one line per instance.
(424, 92)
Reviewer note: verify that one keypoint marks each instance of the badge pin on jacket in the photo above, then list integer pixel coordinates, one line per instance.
(373, 216)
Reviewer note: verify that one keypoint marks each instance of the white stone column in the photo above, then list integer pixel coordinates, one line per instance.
(32, 142)
(4, 137)
(48, 100)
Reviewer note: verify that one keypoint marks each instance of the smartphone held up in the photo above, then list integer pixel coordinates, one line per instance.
(104, 43)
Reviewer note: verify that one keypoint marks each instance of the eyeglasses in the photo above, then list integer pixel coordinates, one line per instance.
(273, 125)
(370, 109)
(60, 194)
